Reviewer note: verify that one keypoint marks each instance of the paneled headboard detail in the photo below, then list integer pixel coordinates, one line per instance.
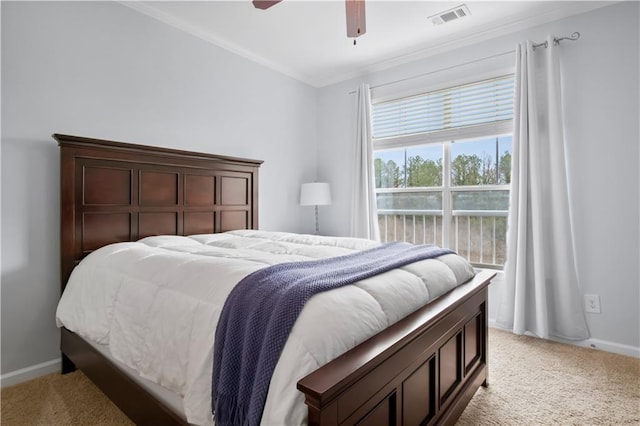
(114, 192)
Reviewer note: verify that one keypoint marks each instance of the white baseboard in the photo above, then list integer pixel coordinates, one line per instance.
(29, 373)
(591, 343)
(603, 345)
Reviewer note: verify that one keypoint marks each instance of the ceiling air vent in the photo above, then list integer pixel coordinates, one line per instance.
(450, 15)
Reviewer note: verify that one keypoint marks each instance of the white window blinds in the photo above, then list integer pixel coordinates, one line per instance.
(484, 102)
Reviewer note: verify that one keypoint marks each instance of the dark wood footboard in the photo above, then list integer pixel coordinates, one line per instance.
(422, 370)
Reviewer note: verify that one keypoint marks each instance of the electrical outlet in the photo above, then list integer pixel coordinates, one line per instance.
(592, 303)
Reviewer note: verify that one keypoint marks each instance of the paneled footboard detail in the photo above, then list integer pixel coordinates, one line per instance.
(422, 370)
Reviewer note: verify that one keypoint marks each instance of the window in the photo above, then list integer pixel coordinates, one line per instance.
(443, 168)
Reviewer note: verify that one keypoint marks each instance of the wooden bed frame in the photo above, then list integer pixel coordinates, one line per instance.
(422, 370)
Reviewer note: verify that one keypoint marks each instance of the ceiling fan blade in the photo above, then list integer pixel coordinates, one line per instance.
(265, 4)
(356, 24)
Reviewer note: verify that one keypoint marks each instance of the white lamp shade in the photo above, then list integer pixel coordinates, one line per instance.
(315, 194)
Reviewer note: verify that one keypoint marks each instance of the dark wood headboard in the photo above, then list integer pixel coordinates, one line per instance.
(115, 192)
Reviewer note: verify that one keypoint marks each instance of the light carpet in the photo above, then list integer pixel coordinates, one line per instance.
(531, 382)
(539, 382)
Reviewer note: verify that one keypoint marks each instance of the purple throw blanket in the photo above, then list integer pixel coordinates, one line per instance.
(261, 310)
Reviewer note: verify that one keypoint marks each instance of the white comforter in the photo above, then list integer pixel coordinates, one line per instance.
(156, 303)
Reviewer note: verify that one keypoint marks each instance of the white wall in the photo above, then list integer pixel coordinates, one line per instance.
(102, 70)
(601, 87)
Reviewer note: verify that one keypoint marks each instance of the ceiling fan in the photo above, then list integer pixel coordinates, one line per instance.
(356, 25)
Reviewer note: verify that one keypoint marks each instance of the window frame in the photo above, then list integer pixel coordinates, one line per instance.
(447, 137)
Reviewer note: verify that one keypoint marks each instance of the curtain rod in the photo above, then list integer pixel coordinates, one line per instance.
(556, 40)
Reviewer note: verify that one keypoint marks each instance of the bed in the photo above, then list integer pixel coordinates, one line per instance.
(423, 369)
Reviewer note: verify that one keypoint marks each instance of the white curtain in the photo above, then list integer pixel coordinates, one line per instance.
(364, 218)
(541, 293)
